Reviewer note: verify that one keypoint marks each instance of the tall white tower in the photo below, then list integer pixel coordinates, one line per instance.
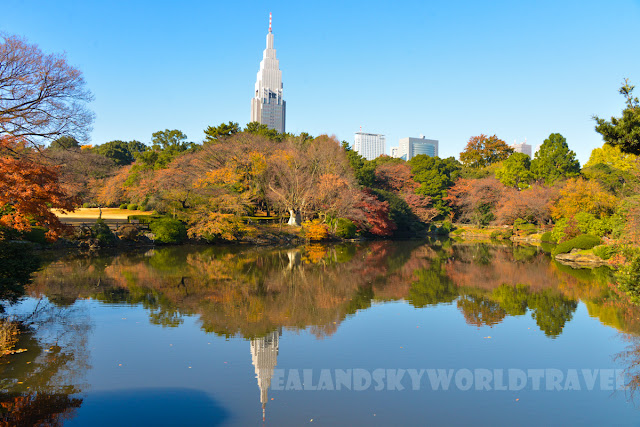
(267, 105)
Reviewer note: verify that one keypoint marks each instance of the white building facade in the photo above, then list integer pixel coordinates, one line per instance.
(409, 147)
(369, 145)
(522, 147)
(267, 106)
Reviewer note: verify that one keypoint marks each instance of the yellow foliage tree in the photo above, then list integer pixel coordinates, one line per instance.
(315, 231)
(579, 195)
(612, 156)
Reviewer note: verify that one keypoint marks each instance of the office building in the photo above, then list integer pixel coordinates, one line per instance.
(267, 106)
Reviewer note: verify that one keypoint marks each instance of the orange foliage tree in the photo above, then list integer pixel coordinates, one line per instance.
(579, 195)
(29, 190)
(483, 150)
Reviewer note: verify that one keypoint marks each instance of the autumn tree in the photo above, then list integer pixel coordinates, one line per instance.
(394, 176)
(483, 150)
(29, 189)
(623, 132)
(41, 96)
(81, 171)
(613, 156)
(295, 169)
(532, 205)
(580, 195)
(515, 171)
(476, 200)
(616, 171)
(113, 191)
(554, 160)
(377, 220)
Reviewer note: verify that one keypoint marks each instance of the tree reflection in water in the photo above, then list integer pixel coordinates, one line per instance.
(255, 293)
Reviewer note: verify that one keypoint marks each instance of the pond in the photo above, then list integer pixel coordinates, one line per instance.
(377, 333)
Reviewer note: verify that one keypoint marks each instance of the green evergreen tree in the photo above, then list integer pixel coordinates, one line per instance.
(516, 171)
(625, 131)
(554, 160)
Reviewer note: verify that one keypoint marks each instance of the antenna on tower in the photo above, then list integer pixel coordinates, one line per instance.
(269, 21)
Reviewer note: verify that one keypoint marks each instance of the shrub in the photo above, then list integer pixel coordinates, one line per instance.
(123, 206)
(89, 205)
(142, 207)
(168, 231)
(547, 237)
(523, 228)
(132, 206)
(129, 232)
(501, 234)
(36, 235)
(605, 251)
(315, 231)
(447, 226)
(628, 277)
(583, 241)
(345, 228)
(101, 232)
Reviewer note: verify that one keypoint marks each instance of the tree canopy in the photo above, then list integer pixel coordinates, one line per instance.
(516, 171)
(215, 134)
(121, 152)
(554, 160)
(41, 96)
(483, 150)
(435, 176)
(623, 132)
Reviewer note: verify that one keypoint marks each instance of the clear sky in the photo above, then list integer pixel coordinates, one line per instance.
(447, 69)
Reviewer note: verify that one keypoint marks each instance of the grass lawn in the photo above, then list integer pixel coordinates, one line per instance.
(93, 213)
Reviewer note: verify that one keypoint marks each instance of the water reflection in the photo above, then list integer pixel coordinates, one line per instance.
(41, 381)
(259, 293)
(252, 293)
(264, 356)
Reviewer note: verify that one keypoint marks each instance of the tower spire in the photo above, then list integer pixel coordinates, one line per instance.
(269, 21)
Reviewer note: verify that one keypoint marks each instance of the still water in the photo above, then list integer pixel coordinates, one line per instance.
(382, 333)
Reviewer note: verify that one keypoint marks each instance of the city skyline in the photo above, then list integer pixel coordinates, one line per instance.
(451, 71)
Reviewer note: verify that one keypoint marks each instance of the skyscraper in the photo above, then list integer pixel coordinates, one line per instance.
(267, 106)
(369, 145)
(410, 147)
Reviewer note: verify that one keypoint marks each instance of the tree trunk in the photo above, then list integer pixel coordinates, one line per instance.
(294, 217)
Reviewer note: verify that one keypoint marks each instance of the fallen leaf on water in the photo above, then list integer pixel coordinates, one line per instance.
(517, 400)
(119, 364)
(272, 398)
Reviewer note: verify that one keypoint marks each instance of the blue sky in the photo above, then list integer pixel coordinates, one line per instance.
(449, 69)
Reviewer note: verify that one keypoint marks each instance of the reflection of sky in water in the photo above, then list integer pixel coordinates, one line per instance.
(141, 373)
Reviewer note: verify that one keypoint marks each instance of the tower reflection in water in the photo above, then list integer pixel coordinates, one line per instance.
(264, 356)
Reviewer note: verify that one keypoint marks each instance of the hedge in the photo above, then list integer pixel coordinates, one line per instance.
(547, 237)
(583, 241)
(168, 231)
